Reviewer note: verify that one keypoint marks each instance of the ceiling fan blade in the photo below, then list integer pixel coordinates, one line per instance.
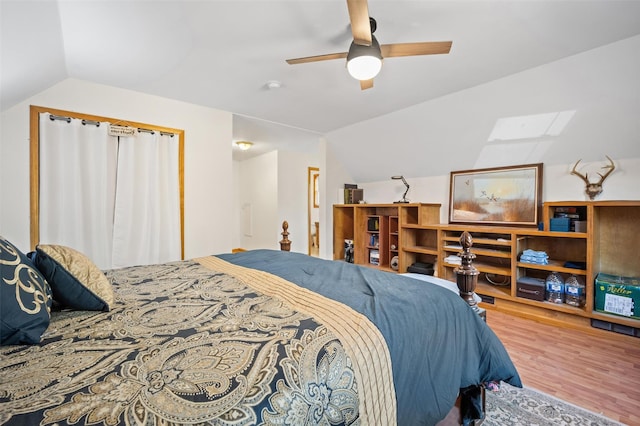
(359, 18)
(414, 49)
(366, 84)
(317, 58)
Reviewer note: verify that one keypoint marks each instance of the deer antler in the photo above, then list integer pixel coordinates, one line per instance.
(594, 189)
(611, 168)
(584, 177)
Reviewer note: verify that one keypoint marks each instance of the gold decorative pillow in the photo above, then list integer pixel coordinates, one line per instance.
(75, 280)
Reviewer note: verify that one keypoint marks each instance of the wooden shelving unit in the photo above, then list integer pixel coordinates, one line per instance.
(610, 244)
(351, 222)
(494, 250)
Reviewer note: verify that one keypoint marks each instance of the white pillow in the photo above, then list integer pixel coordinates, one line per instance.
(440, 282)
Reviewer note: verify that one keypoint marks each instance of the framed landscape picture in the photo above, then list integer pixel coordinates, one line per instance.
(496, 196)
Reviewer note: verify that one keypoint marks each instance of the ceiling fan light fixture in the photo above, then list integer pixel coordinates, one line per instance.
(364, 62)
(364, 58)
(364, 67)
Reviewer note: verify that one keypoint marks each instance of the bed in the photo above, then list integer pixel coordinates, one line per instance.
(256, 337)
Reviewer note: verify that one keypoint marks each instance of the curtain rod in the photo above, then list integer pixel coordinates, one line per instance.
(97, 124)
(59, 117)
(140, 129)
(68, 120)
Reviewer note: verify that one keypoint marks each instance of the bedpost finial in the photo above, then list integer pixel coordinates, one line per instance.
(466, 241)
(285, 244)
(466, 273)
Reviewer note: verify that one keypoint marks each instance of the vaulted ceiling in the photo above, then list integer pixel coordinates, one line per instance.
(224, 54)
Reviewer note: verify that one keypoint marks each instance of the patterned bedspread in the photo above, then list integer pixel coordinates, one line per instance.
(204, 343)
(438, 346)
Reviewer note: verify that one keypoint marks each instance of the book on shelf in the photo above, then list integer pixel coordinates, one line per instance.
(374, 257)
(353, 195)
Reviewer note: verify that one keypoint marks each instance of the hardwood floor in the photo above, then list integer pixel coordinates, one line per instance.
(594, 369)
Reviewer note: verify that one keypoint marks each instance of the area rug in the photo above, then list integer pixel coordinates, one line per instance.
(512, 406)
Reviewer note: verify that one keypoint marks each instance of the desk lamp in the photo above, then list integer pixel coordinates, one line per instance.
(404, 196)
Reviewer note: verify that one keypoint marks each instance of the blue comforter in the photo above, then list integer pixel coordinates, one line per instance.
(438, 345)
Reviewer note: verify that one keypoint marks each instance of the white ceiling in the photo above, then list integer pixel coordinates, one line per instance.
(222, 54)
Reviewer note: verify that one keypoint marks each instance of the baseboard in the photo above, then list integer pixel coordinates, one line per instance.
(558, 319)
(616, 328)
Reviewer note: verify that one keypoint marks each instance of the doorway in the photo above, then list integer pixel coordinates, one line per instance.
(313, 216)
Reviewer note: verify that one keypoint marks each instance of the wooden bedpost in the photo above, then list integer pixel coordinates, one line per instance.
(285, 244)
(466, 273)
(467, 280)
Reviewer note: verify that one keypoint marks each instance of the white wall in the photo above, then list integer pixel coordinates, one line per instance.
(275, 185)
(208, 165)
(258, 201)
(292, 196)
(236, 237)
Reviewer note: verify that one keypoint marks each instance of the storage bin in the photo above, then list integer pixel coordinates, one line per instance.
(530, 288)
(618, 295)
(560, 224)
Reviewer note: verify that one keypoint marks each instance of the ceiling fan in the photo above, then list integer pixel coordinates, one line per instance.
(364, 58)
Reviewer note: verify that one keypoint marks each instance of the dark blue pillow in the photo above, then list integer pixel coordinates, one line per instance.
(25, 298)
(76, 282)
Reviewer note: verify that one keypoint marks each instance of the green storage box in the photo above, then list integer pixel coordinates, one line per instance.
(618, 295)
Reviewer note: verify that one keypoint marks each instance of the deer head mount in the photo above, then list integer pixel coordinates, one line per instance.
(593, 189)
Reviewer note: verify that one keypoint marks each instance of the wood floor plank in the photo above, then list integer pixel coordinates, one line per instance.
(594, 369)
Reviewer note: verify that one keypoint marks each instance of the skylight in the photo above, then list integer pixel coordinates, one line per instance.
(530, 126)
